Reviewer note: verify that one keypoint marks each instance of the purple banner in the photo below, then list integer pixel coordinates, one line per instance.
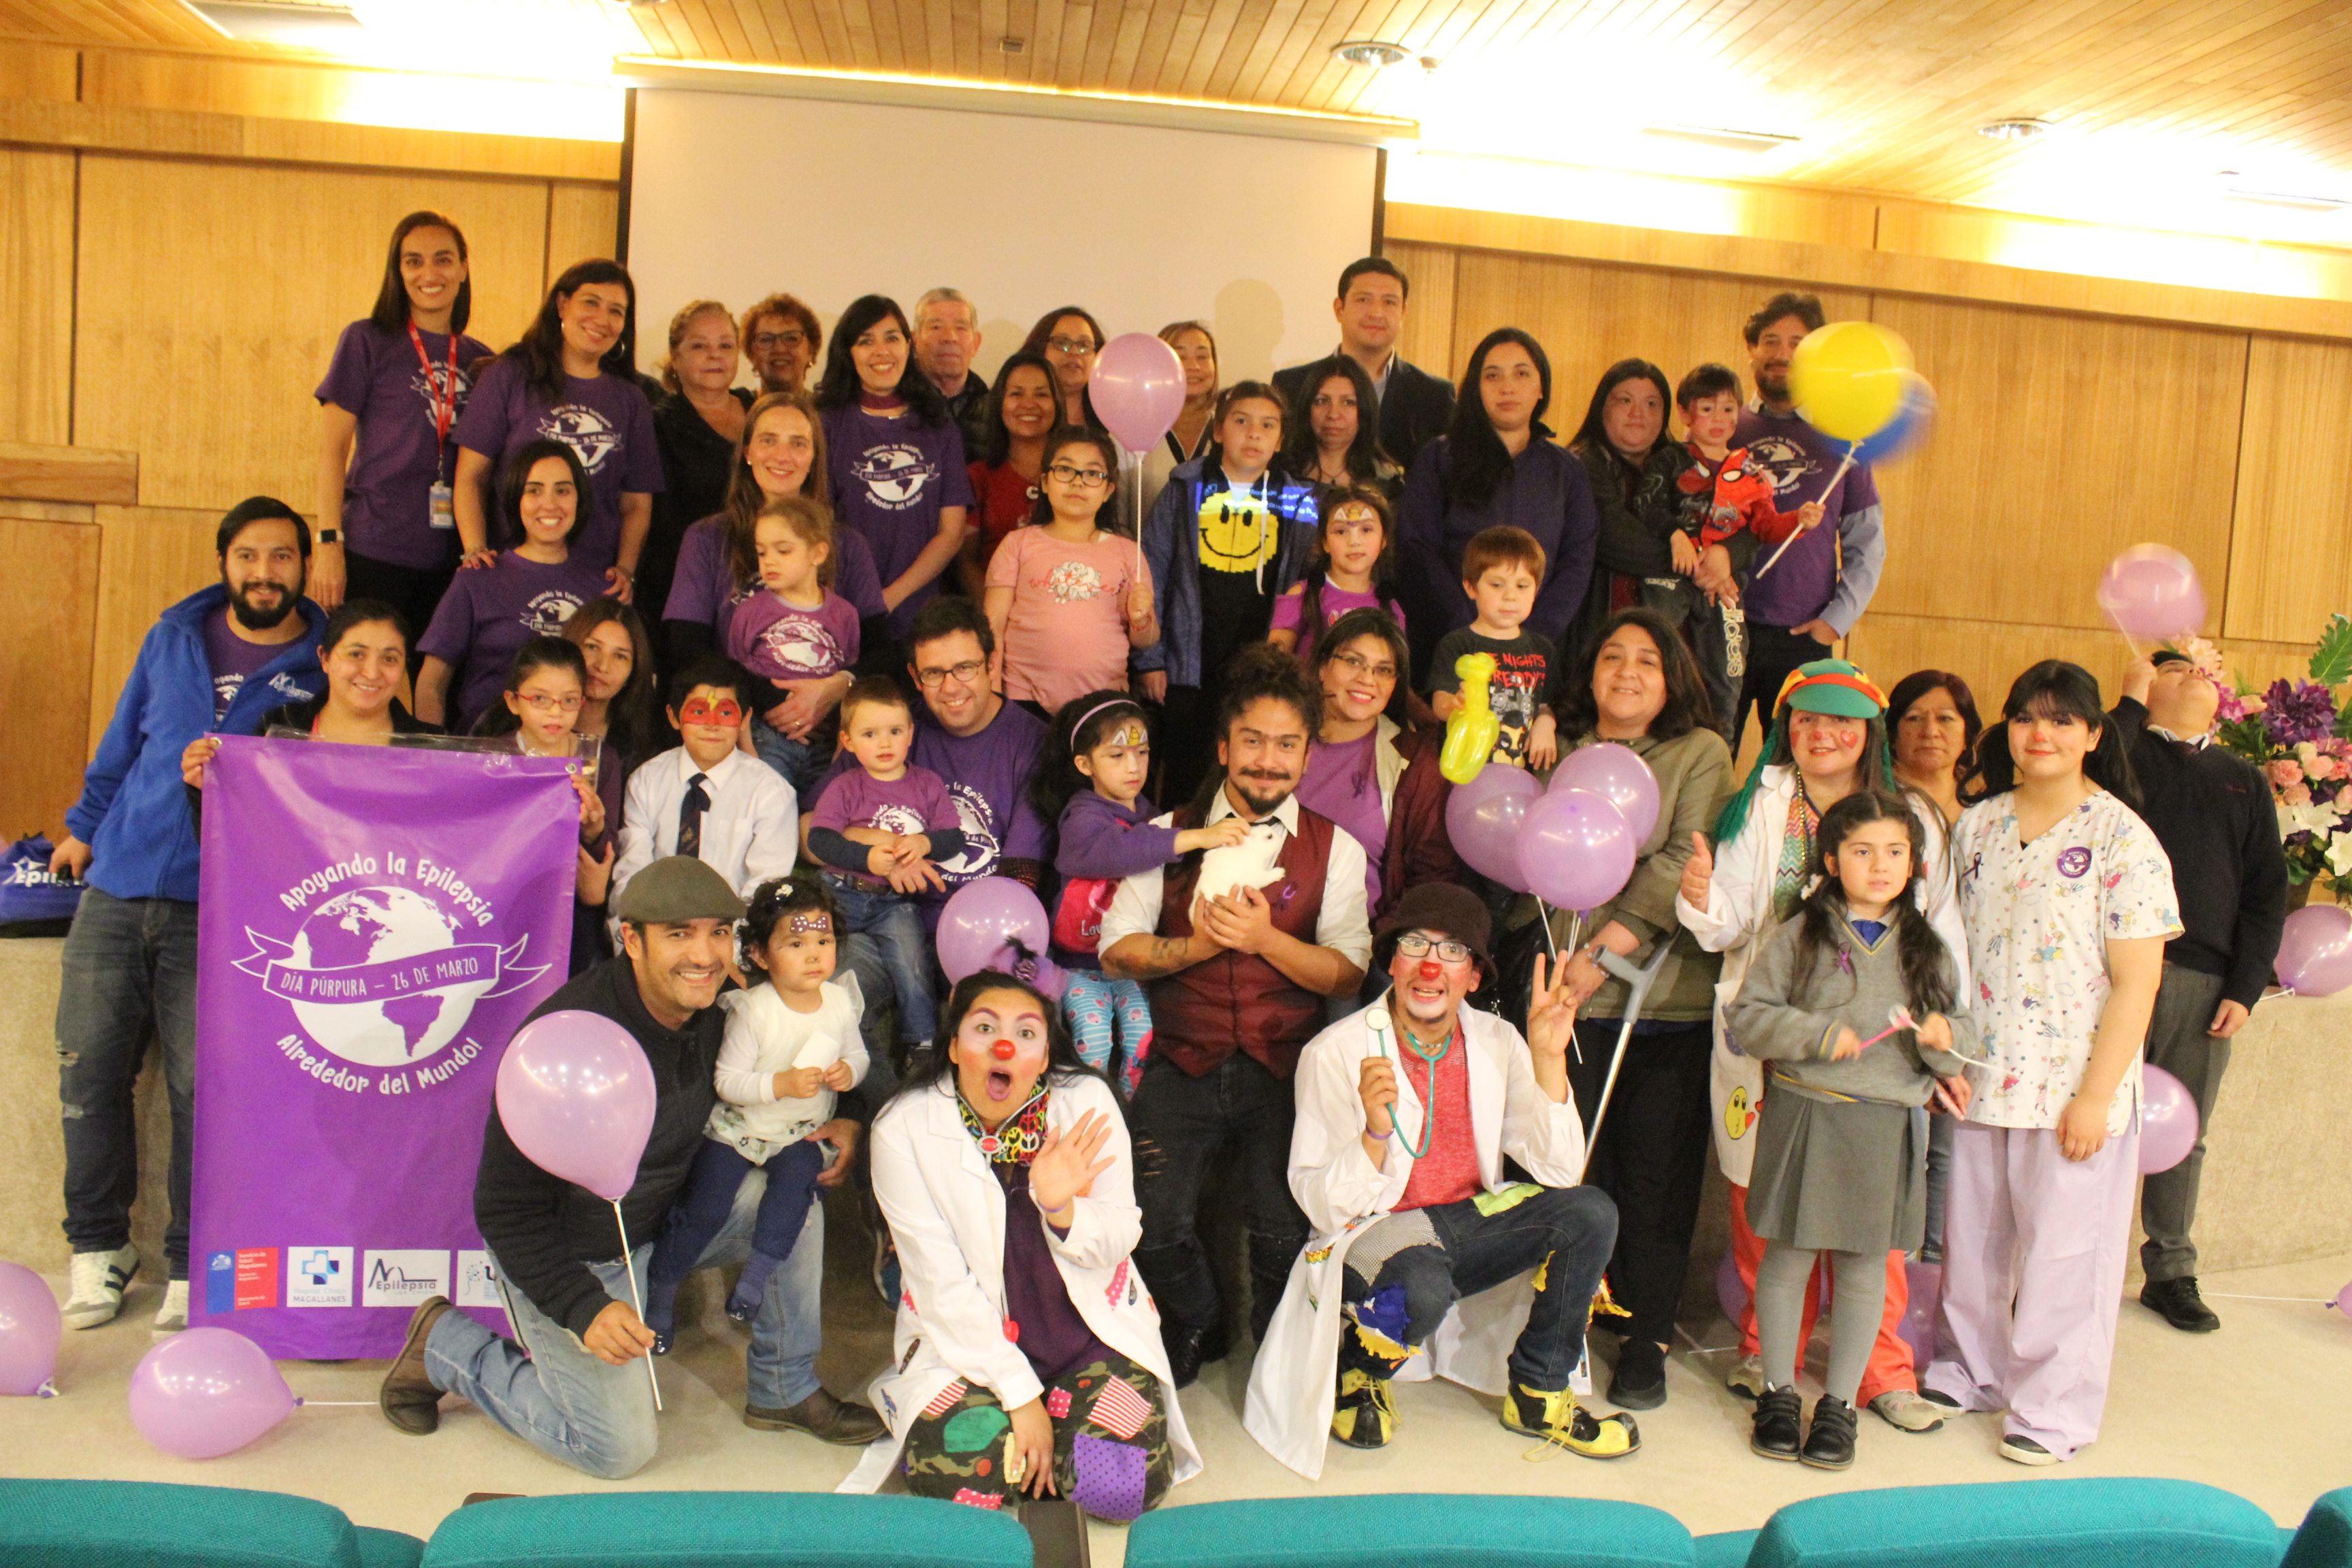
(374, 922)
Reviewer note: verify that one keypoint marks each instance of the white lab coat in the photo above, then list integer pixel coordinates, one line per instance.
(1293, 1382)
(947, 1212)
(1739, 917)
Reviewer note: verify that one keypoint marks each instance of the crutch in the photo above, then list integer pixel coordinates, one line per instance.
(1638, 983)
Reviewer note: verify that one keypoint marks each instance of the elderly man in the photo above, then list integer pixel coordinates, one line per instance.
(1406, 1112)
(572, 1389)
(947, 340)
(1238, 947)
(2213, 813)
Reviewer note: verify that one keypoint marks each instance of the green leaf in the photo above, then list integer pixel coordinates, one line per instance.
(2331, 658)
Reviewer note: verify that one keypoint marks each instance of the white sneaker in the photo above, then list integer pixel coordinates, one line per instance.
(1907, 1410)
(97, 1282)
(173, 1315)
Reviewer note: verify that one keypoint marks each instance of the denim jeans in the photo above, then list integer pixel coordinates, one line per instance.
(129, 964)
(890, 923)
(801, 763)
(553, 1394)
(1180, 1123)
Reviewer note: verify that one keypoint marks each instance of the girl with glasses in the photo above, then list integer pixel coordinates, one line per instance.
(546, 692)
(1066, 600)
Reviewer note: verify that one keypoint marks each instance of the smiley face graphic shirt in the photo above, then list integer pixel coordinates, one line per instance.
(1241, 540)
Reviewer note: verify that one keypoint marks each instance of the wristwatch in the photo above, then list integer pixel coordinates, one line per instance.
(328, 536)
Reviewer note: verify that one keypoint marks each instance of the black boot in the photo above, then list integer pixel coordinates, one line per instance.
(1775, 1432)
(1829, 1441)
(1640, 1381)
(1191, 1349)
(2180, 1303)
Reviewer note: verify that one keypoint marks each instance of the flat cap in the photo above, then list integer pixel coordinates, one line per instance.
(677, 888)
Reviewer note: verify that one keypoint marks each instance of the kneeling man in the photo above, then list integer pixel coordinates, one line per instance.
(1405, 1113)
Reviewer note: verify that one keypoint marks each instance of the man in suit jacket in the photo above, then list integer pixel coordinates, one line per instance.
(1416, 406)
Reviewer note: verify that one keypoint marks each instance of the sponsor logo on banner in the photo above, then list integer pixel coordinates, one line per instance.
(318, 1276)
(404, 1276)
(257, 1277)
(220, 1282)
(478, 1281)
(383, 970)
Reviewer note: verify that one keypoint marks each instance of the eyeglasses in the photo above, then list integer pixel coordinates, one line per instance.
(1358, 665)
(1071, 345)
(784, 340)
(1085, 478)
(1416, 945)
(963, 674)
(543, 703)
(702, 711)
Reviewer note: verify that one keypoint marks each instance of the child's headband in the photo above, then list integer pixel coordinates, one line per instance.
(1087, 718)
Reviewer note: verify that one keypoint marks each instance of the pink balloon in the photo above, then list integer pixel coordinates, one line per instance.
(1926, 1281)
(2168, 1121)
(207, 1391)
(2315, 954)
(2343, 1300)
(1137, 387)
(30, 1328)
(1730, 1290)
(576, 1095)
(1615, 772)
(1484, 817)
(1576, 850)
(2151, 591)
(990, 922)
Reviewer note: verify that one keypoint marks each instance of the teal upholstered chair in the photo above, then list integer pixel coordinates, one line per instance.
(2325, 1539)
(2092, 1523)
(144, 1524)
(1728, 1548)
(1425, 1530)
(388, 1548)
(725, 1530)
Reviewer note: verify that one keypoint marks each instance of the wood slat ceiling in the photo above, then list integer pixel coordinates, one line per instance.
(1885, 93)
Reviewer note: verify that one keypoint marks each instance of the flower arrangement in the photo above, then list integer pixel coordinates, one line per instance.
(2298, 735)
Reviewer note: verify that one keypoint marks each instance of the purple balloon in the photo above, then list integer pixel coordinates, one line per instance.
(1616, 773)
(2168, 1121)
(990, 921)
(2315, 954)
(576, 1095)
(1484, 817)
(1576, 850)
(1138, 388)
(1926, 1282)
(1730, 1290)
(1914, 418)
(2151, 591)
(29, 1330)
(207, 1391)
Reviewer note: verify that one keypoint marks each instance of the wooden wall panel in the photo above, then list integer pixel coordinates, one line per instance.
(584, 221)
(1428, 338)
(2061, 441)
(298, 255)
(39, 70)
(1588, 316)
(37, 269)
(49, 600)
(151, 558)
(2290, 546)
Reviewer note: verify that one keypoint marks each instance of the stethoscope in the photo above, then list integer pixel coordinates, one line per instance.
(1378, 1021)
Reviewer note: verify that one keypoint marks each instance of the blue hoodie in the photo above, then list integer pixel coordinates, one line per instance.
(134, 812)
(1172, 544)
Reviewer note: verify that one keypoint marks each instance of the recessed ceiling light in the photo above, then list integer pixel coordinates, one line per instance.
(1372, 52)
(2015, 129)
(1724, 137)
(305, 23)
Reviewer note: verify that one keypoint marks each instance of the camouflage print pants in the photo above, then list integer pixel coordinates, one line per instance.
(1111, 1442)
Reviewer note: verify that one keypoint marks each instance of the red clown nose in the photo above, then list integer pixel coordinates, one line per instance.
(1431, 970)
(1002, 1050)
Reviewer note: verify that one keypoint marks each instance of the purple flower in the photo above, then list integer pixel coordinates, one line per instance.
(2299, 711)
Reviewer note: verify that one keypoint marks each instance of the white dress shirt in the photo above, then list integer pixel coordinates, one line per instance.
(751, 829)
(1342, 924)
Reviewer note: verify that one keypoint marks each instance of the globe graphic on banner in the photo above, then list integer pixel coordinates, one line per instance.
(371, 926)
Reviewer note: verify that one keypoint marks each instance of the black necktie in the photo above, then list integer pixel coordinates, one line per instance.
(689, 815)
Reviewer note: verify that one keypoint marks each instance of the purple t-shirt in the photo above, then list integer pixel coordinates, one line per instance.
(489, 613)
(1343, 783)
(987, 779)
(891, 479)
(397, 454)
(784, 642)
(1799, 460)
(915, 801)
(232, 659)
(702, 592)
(1334, 603)
(605, 419)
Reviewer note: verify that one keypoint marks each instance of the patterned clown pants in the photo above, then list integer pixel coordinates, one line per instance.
(1111, 1443)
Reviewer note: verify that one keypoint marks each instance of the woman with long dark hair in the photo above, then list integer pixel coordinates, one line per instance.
(898, 467)
(1189, 438)
(1069, 338)
(571, 377)
(1004, 1167)
(1023, 410)
(1633, 463)
(392, 396)
(1495, 465)
(1335, 430)
(2069, 901)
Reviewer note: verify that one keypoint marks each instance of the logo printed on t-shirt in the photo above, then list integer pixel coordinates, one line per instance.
(980, 846)
(1782, 460)
(1237, 531)
(545, 614)
(895, 476)
(438, 385)
(1073, 582)
(896, 818)
(2073, 861)
(588, 433)
(801, 642)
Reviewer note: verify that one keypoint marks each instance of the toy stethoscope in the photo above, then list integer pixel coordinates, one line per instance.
(1378, 1021)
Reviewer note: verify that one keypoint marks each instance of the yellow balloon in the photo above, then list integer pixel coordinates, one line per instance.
(1848, 378)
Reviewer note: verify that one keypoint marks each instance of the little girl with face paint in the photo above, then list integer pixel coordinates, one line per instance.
(792, 1045)
(1091, 783)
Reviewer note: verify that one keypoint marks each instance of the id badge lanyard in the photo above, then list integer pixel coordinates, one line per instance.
(442, 499)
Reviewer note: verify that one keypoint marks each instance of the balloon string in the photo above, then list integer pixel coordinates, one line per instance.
(331, 1404)
(627, 1263)
(1824, 496)
(2308, 1301)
